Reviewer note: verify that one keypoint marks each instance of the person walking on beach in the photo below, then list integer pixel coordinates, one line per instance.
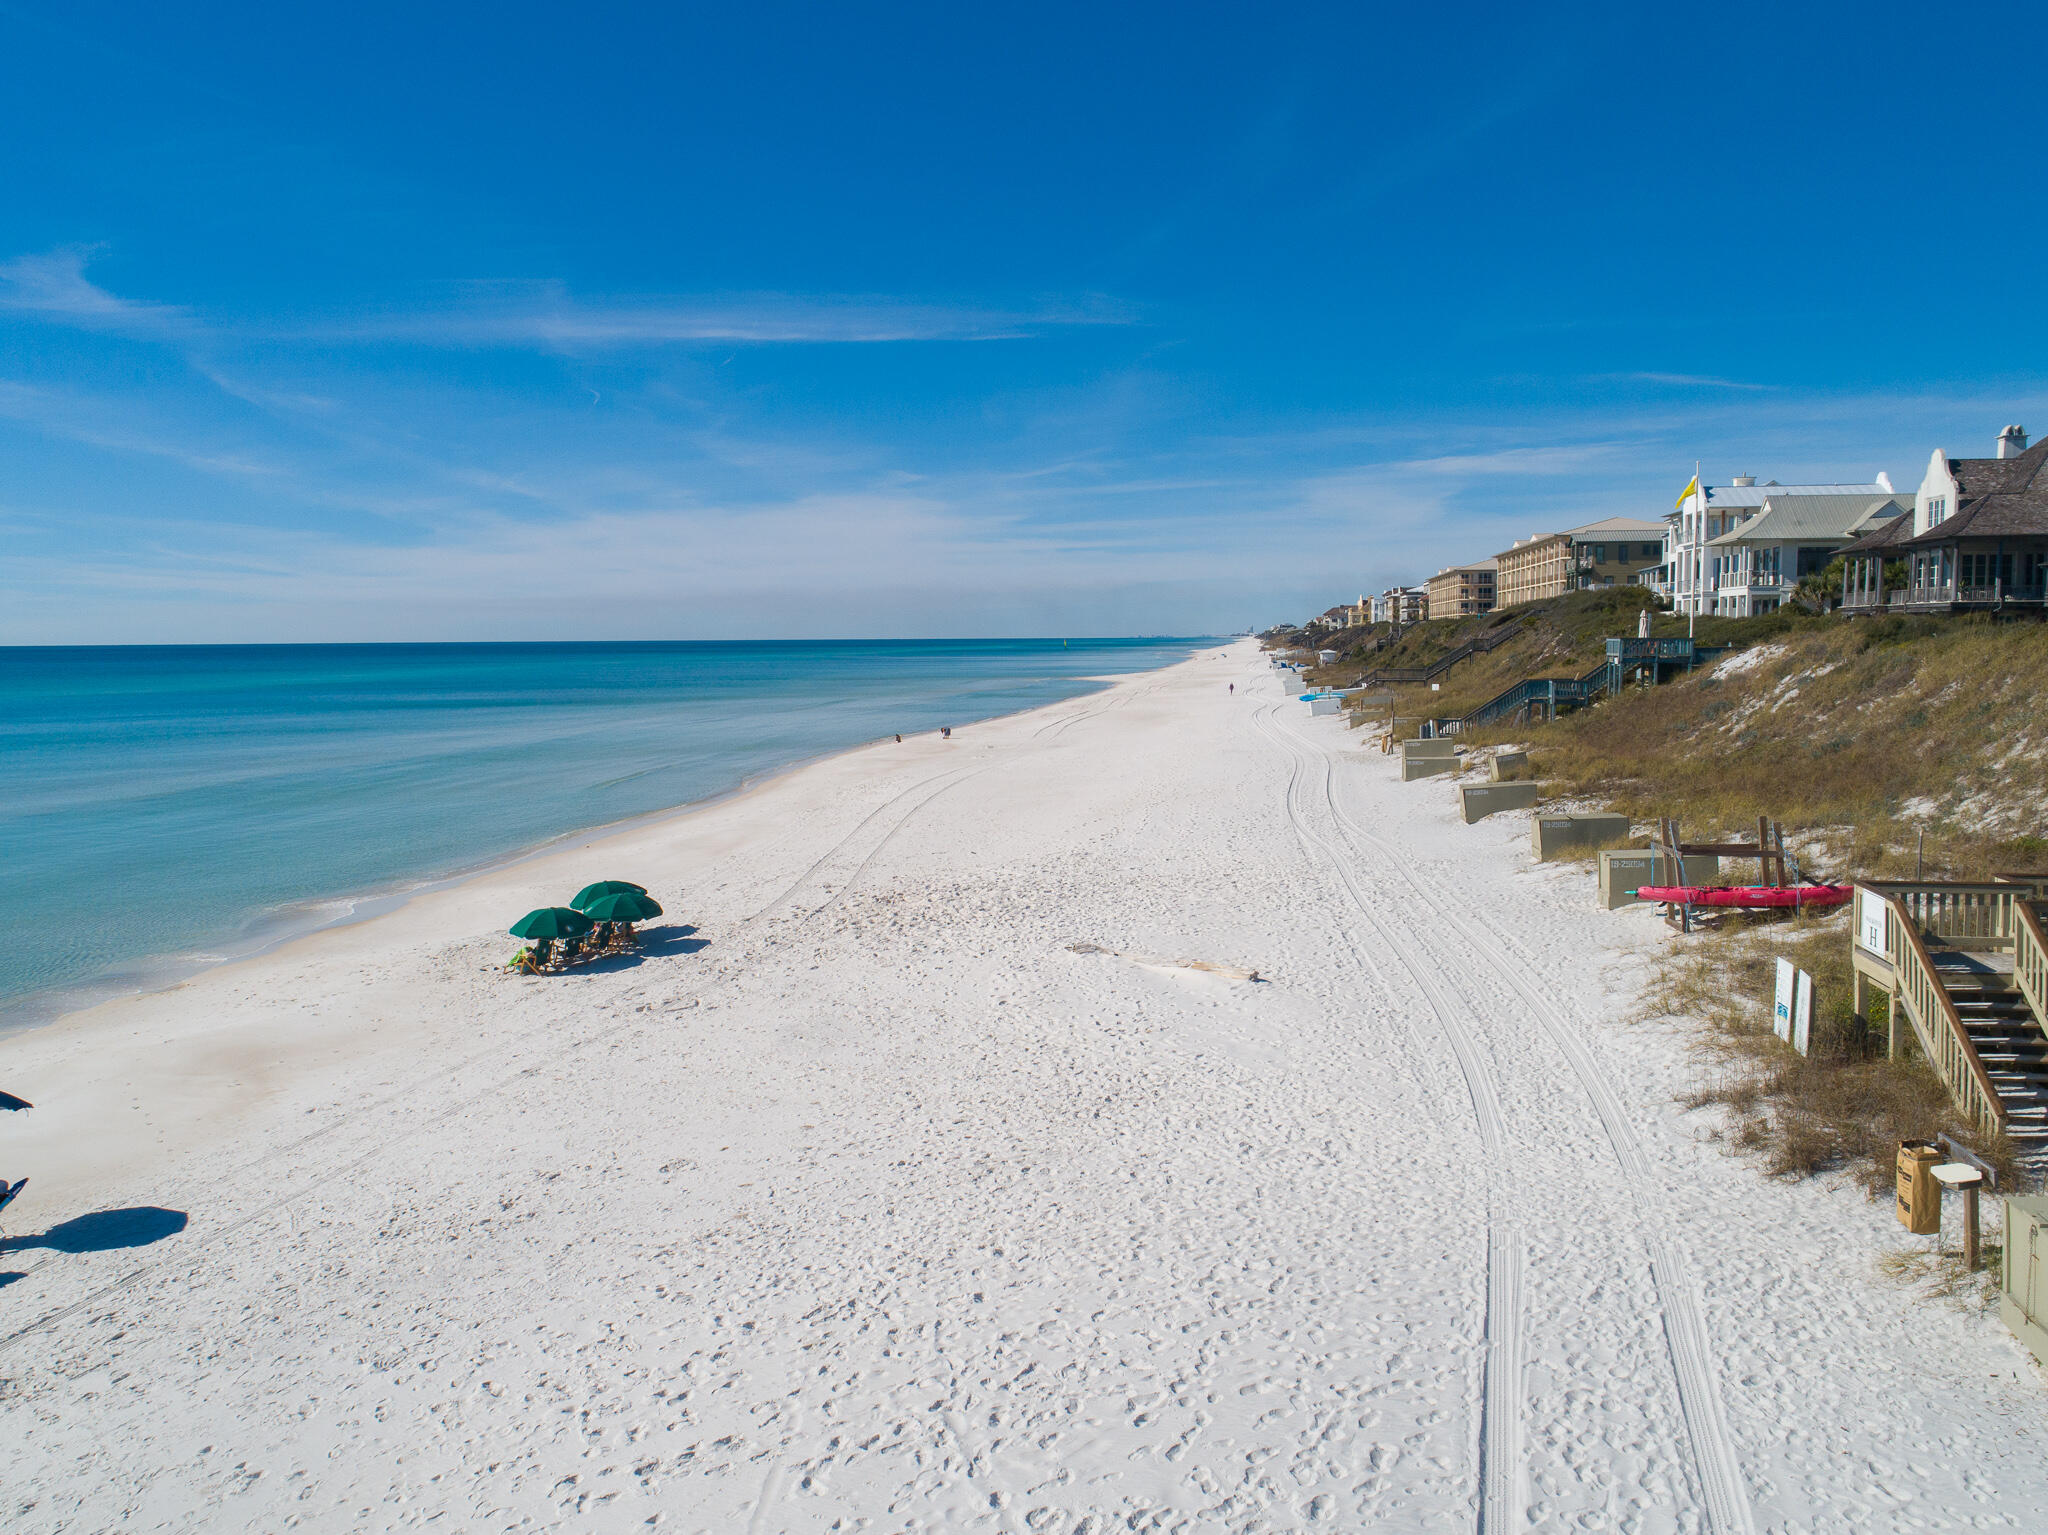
(899, 738)
(1233, 687)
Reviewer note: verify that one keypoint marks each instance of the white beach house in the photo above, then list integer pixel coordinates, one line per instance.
(1401, 605)
(1753, 567)
(1706, 512)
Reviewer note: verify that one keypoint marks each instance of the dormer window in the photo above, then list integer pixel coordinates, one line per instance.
(1937, 509)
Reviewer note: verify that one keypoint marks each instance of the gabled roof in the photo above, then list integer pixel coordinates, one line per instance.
(1801, 516)
(1997, 498)
(1887, 535)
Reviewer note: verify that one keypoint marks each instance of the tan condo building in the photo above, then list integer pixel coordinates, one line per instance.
(1605, 553)
(1459, 591)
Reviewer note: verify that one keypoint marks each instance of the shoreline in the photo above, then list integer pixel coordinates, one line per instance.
(933, 1165)
(184, 1017)
(156, 974)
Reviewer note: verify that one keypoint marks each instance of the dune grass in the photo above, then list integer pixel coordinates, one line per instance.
(1843, 1107)
(1862, 738)
(1866, 738)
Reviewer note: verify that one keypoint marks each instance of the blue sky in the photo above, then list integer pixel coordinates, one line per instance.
(594, 321)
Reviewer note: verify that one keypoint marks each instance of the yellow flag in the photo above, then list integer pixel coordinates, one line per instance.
(1691, 487)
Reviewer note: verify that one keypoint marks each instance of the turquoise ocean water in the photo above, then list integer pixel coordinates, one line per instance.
(165, 806)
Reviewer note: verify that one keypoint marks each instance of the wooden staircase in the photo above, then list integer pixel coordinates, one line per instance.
(1966, 966)
(2008, 1038)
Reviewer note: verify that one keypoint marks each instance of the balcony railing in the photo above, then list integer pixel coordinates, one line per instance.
(1736, 581)
(1954, 594)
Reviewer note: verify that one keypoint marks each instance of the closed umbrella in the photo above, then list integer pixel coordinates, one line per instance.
(551, 922)
(605, 887)
(623, 906)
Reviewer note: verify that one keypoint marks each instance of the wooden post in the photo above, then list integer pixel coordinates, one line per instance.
(1970, 1227)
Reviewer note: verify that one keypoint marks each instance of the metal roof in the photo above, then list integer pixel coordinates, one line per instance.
(1618, 527)
(1805, 516)
(1726, 498)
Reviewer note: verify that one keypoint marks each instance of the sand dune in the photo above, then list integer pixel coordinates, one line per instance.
(915, 1179)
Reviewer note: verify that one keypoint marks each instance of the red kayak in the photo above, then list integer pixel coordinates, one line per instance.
(1747, 895)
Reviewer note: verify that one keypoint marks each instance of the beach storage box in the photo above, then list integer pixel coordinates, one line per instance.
(1550, 835)
(1919, 1194)
(1326, 657)
(1476, 801)
(1507, 766)
(1421, 759)
(1623, 869)
(1329, 703)
(2023, 1273)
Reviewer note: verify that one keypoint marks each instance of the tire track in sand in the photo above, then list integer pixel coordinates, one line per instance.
(1501, 1502)
(1716, 1463)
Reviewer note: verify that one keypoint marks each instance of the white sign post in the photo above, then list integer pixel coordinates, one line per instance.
(1792, 1007)
(1870, 923)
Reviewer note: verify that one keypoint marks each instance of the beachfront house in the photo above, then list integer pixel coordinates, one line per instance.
(1400, 606)
(1753, 567)
(1706, 512)
(1977, 540)
(1458, 591)
(1604, 553)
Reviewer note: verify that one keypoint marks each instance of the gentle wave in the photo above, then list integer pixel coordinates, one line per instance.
(167, 807)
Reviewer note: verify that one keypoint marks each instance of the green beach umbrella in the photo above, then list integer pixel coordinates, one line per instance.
(605, 887)
(552, 922)
(623, 906)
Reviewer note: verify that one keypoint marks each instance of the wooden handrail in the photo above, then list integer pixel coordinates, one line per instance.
(2030, 960)
(1915, 970)
(1958, 910)
(1443, 663)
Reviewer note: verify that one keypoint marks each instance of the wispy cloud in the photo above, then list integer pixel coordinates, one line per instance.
(1688, 381)
(53, 286)
(101, 423)
(547, 315)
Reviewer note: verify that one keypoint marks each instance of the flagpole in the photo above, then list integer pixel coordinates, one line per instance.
(1699, 570)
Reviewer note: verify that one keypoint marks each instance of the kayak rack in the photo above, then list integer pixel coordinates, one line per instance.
(1768, 850)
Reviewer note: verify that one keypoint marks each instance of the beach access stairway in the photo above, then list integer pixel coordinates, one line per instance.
(1544, 698)
(1966, 968)
(1443, 663)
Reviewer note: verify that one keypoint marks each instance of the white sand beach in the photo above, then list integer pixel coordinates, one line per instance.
(866, 1202)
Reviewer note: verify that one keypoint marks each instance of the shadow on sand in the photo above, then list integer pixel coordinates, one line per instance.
(103, 1231)
(655, 943)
